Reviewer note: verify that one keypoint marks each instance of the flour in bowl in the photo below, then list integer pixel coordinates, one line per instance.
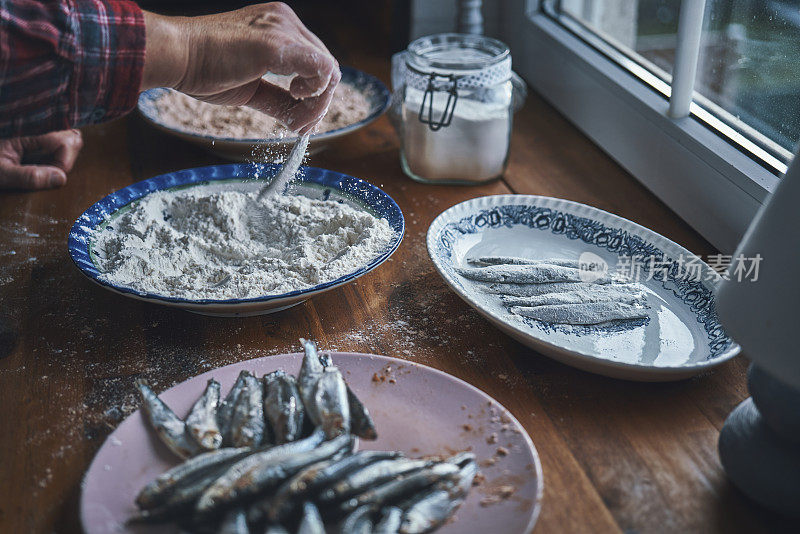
(204, 243)
(349, 106)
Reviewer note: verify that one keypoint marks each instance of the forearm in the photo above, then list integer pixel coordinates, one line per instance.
(167, 51)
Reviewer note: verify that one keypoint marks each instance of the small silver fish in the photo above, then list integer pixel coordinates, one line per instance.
(359, 521)
(485, 261)
(429, 512)
(389, 522)
(225, 409)
(237, 480)
(202, 419)
(331, 404)
(311, 523)
(361, 423)
(623, 293)
(156, 492)
(283, 406)
(398, 488)
(170, 429)
(582, 314)
(310, 372)
(522, 274)
(370, 476)
(311, 480)
(248, 427)
(234, 522)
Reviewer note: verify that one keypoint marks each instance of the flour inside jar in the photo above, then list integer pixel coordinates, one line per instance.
(200, 243)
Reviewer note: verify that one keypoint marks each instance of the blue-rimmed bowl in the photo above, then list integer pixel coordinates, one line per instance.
(683, 335)
(312, 182)
(242, 149)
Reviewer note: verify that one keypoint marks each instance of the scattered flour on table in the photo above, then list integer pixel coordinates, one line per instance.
(349, 106)
(202, 243)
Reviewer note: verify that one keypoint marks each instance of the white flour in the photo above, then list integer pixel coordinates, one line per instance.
(201, 244)
(474, 148)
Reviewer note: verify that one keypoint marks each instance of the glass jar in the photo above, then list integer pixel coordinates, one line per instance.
(453, 104)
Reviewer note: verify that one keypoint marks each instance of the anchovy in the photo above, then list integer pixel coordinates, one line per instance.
(524, 274)
(310, 372)
(202, 419)
(582, 314)
(370, 476)
(247, 421)
(396, 489)
(533, 290)
(389, 522)
(429, 511)
(359, 521)
(283, 406)
(235, 522)
(330, 403)
(485, 261)
(260, 471)
(181, 499)
(168, 426)
(311, 480)
(361, 423)
(461, 459)
(157, 491)
(465, 477)
(225, 409)
(623, 293)
(311, 523)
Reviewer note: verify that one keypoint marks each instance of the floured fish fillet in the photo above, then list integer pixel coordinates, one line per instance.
(539, 273)
(582, 314)
(625, 294)
(532, 290)
(485, 261)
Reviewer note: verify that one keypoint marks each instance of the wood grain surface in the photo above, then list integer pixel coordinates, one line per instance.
(617, 456)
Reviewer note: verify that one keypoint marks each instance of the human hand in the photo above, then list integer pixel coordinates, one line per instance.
(38, 161)
(221, 59)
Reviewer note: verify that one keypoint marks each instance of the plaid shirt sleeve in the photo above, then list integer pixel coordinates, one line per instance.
(66, 63)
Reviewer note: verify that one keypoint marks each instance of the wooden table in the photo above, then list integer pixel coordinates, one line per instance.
(617, 456)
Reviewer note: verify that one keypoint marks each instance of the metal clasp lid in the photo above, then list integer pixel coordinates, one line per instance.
(449, 107)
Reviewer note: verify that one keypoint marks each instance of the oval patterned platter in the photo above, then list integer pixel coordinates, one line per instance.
(682, 335)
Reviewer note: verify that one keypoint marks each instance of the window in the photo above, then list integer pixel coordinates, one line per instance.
(711, 146)
(748, 74)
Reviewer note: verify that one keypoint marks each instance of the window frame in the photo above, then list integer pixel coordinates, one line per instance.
(710, 183)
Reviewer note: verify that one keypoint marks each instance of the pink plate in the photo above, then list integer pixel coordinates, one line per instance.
(416, 409)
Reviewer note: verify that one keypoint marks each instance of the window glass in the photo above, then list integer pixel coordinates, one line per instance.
(749, 61)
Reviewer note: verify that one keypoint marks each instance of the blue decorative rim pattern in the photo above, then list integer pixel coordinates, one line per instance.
(693, 293)
(79, 238)
(375, 91)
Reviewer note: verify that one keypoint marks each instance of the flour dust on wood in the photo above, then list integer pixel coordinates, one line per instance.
(201, 243)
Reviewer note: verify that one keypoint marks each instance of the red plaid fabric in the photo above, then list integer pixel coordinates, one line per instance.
(66, 63)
